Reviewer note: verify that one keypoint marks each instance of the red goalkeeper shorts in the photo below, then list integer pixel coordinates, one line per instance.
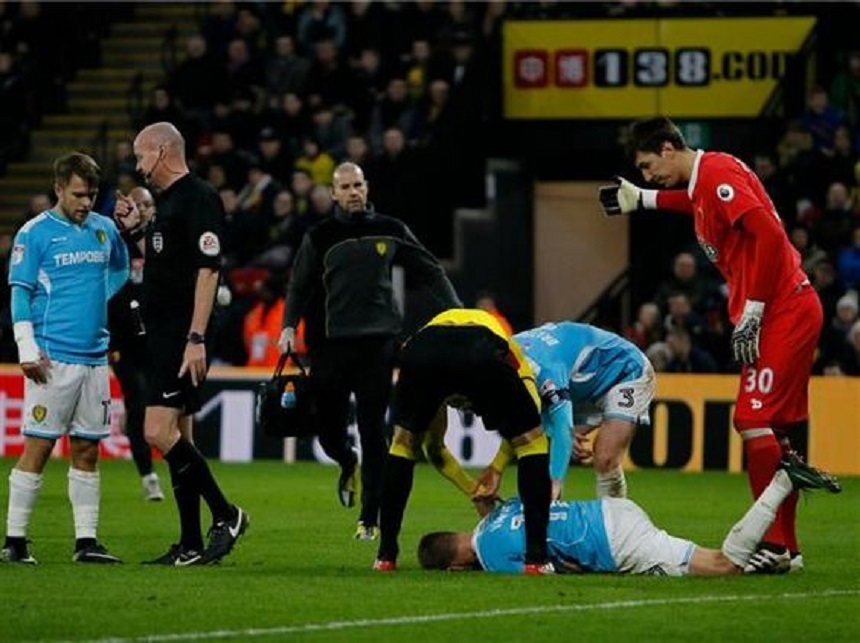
(774, 391)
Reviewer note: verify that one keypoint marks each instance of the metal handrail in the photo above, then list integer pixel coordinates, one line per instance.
(616, 295)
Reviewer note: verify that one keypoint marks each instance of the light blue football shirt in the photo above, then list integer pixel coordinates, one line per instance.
(67, 269)
(576, 533)
(583, 360)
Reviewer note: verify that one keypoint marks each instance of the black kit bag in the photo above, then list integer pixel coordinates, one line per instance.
(277, 421)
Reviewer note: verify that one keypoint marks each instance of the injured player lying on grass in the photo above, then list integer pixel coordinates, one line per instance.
(614, 535)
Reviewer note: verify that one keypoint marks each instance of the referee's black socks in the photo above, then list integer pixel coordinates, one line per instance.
(186, 461)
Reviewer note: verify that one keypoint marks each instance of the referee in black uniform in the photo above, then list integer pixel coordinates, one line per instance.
(341, 285)
(183, 253)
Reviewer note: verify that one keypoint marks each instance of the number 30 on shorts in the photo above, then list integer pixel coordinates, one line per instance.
(759, 380)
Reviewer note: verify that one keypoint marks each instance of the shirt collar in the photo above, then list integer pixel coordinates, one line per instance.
(691, 186)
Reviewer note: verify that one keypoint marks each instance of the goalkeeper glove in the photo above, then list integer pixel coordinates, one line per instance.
(624, 197)
(745, 338)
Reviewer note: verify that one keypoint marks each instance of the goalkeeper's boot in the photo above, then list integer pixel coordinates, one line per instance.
(769, 559)
(15, 551)
(797, 564)
(347, 483)
(804, 476)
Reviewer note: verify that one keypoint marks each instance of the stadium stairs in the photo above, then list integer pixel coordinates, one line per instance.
(99, 103)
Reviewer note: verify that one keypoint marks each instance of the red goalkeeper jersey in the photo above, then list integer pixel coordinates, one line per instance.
(723, 190)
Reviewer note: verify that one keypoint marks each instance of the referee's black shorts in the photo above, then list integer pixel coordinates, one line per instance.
(166, 342)
(439, 362)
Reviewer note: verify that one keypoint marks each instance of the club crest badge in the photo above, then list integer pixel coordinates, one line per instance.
(381, 248)
(101, 235)
(40, 413)
(157, 242)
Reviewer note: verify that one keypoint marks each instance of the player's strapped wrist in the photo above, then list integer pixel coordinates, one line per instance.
(753, 308)
(28, 350)
(648, 199)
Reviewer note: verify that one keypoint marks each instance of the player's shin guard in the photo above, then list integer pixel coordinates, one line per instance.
(84, 494)
(535, 489)
(23, 491)
(396, 487)
(742, 541)
(612, 484)
(763, 454)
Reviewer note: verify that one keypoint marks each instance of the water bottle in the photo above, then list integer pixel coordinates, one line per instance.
(288, 397)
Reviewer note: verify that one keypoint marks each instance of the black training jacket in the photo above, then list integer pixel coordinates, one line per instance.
(341, 278)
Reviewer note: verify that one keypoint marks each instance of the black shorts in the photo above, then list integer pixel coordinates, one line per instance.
(469, 361)
(166, 342)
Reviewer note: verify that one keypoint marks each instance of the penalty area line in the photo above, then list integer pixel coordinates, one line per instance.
(458, 616)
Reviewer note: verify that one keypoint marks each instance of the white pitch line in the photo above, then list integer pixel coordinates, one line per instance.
(456, 616)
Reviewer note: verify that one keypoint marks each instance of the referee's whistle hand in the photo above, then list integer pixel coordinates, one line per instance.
(125, 212)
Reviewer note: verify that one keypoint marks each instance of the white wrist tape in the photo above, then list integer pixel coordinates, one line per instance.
(649, 199)
(753, 308)
(28, 351)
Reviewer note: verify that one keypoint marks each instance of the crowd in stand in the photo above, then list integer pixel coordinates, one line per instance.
(270, 96)
(39, 54)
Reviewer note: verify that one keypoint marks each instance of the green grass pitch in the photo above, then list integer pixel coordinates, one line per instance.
(298, 575)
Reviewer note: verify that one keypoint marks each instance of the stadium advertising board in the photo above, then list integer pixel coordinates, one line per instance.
(691, 425)
(684, 68)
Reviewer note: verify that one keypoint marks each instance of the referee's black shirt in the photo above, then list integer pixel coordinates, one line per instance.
(184, 236)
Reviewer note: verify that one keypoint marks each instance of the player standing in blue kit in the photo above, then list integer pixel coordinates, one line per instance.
(66, 263)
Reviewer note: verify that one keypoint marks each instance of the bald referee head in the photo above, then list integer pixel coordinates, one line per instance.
(160, 152)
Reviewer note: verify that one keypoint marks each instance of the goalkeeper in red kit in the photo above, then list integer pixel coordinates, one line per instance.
(776, 312)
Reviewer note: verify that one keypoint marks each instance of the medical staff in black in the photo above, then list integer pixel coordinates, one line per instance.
(341, 285)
